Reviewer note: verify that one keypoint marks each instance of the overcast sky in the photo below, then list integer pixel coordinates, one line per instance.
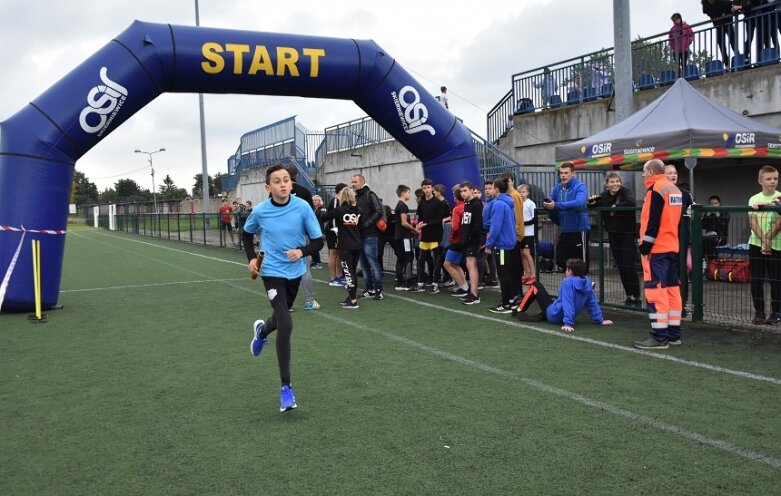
(472, 47)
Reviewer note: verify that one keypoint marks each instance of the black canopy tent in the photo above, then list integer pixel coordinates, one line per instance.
(682, 124)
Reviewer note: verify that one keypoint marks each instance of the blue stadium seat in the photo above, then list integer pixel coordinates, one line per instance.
(666, 77)
(555, 101)
(525, 106)
(573, 97)
(589, 94)
(691, 72)
(739, 62)
(646, 81)
(768, 56)
(714, 68)
(607, 90)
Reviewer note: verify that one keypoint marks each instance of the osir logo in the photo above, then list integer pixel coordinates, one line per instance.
(598, 150)
(412, 113)
(102, 100)
(739, 140)
(351, 219)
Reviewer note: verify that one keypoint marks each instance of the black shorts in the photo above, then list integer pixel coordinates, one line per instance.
(281, 292)
(528, 243)
(330, 239)
(226, 226)
(471, 250)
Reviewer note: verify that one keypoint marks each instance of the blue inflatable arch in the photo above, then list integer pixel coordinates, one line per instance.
(40, 144)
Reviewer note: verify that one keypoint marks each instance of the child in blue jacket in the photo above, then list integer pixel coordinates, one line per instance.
(575, 293)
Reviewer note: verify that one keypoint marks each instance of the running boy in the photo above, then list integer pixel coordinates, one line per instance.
(284, 222)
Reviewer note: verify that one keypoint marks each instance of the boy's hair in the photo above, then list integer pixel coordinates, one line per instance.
(508, 175)
(466, 184)
(419, 193)
(714, 197)
(439, 188)
(567, 165)
(577, 266)
(401, 189)
(339, 187)
(347, 195)
(273, 169)
(766, 169)
(426, 182)
(501, 185)
(524, 186)
(488, 181)
(611, 175)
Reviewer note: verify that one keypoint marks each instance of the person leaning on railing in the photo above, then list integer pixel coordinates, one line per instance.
(621, 230)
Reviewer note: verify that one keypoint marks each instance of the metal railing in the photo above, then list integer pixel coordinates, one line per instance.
(732, 44)
(718, 301)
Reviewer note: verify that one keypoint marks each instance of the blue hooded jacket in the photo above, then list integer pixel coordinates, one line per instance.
(574, 294)
(501, 231)
(571, 213)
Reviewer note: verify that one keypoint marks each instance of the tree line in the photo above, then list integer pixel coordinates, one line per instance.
(85, 192)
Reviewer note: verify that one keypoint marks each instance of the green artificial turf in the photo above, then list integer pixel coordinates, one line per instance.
(143, 384)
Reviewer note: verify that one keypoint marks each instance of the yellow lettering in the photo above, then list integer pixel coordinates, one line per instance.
(314, 55)
(237, 50)
(261, 62)
(287, 58)
(210, 52)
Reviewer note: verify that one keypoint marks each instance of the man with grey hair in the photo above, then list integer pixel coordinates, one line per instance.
(659, 250)
(371, 211)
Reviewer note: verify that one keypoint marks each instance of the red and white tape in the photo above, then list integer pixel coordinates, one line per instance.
(37, 231)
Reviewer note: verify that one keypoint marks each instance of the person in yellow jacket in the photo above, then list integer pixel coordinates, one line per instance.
(659, 250)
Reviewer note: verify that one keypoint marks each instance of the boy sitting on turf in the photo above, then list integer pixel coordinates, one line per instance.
(576, 291)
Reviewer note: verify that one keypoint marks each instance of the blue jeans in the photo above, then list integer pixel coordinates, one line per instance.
(372, 273)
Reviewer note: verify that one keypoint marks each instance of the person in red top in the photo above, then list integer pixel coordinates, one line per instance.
(226, 218)
(659, 250)
(454, 256)
(680, 37)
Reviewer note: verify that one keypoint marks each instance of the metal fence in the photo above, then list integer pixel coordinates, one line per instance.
(711, 292)
(725, 301)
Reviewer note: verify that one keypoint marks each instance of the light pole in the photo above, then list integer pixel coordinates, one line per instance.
(154, 188)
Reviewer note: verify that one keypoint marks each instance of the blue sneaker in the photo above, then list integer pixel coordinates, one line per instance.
(257, 344)
(287, 399)
(311, 305)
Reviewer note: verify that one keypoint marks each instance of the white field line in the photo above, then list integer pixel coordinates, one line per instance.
(506, 321)
(151, 285)
(599, 405)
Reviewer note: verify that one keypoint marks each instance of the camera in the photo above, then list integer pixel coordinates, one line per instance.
(547, 200)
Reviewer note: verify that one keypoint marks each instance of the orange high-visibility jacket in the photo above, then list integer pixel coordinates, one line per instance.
(661, 215)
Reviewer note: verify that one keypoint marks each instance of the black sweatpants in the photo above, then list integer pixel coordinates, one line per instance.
(572, 245)
(281, 293)
(349, 267)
